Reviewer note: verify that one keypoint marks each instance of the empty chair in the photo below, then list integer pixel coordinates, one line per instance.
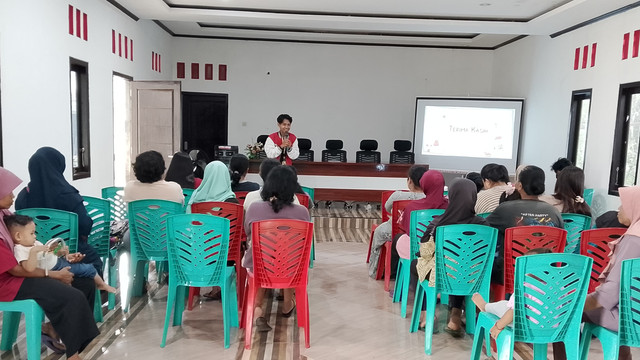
(334, 152)
(306, 154)
(115, 195)
(262, 139)
(401, 153)
(33, 315)
(575, 224)
(368, 153)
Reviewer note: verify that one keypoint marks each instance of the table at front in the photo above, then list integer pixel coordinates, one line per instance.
(345, 181)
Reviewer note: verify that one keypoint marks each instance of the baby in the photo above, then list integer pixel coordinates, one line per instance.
(31, 254)
(502, 308)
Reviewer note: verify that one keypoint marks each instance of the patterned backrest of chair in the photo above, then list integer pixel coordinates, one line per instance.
(303, 199)
(51, 223)
(420, 219)
(281, 251)
(550, 290)
(115, 195)
(241, 195)
(594, 244)
(575, 224)
(484, 215)
(148, 227)
(385, 196)
(587, 194)
(232, 212)
(309, 191)
(197, 248)
(519, 240)
(187, 195)
(464, 258)
(99, 211)
(396, 213)
(629, 321)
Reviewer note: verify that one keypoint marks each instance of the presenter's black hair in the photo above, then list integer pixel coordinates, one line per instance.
(415, 174)
(280, 187)
(283, 117)
(560, 164)
(477, 179)
(494, 172)
(238, 167)
(532, 180)
(149, 167)
(266, 166)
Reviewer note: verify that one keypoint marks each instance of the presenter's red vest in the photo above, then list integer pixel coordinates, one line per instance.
(278, 141)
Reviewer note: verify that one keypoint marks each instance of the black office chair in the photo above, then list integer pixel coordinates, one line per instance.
(334, 152)
(401, 155)
(262, 139)
(368, 153)
(306, 154)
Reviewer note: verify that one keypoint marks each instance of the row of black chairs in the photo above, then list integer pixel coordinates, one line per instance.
(368, 151)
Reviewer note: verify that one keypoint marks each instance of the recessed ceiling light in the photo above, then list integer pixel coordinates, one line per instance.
(485, 4)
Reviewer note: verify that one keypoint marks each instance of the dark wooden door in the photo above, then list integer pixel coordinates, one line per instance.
(204, 121)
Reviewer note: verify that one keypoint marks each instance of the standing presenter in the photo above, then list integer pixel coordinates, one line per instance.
(282, 145)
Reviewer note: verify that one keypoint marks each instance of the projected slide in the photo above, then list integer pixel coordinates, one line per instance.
(468, 132)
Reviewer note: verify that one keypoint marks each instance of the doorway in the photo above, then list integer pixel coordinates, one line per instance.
(204, 121)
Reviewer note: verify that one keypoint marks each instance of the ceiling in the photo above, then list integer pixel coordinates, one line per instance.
(484, 24)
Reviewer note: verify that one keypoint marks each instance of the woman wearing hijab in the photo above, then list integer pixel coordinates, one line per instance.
(601, 306)
(181, 171)
(215, 186)
(48, 188)
(66, 307)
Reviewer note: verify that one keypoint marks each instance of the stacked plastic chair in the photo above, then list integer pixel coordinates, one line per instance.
(550, 290)
(385, 251)
(198, 248)
(235, 215)
(33, 316)
(118, 207)
(281, 251)
(464, 259)
(628, 333)
(147, 228)
(385, 216)
(420, 219)
(595, 244)
(575, 224)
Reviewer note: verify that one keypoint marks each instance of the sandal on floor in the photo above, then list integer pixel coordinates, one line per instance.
(288, 314)
(53, 344)
(262, 325)
(455, 333)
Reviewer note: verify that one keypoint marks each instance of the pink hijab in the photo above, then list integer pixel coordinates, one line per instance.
(8, 183)
(432, 184)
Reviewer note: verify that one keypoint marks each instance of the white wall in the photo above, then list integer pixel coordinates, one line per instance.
(540, 69)
(331, 91)
(35, 47)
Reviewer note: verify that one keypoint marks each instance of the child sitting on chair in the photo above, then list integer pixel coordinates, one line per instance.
(502, 308)
(31, 254)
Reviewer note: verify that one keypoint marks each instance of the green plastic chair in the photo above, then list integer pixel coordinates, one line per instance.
(420, 219)
(311, 193)
(198, 246)
(100, 238)
(52, 223)
(484, 215)
(550, 290)
(148, 231)
(187, 196)
(574, 224)
(33, 316)
(628, 333)
(464, 259)
(587, 195)
(118, 207)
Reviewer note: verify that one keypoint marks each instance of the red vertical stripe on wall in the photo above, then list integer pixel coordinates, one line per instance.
(159, 63)
(208, 71)
(195, 71)
(113, 41)
(585, 56)
(85, 26)
(131, 48)
(625, 46)
(78, 23)
(70, 20)
(576, 60)
(126, 47)
(153, 60)
(222, 72)
(119, 44)
(593, 54)
(180, 70)
(636, 43)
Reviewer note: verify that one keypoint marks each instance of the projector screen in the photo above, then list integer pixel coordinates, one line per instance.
(464, 134)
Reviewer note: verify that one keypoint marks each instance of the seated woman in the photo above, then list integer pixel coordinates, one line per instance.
(239, 167)
(181, 170)
(265, 168)
(148, 169)
(568, 192)
(66, 307)
(277, 195)
(495, 178)
(48, 188)
(382, 233)
(215, 186)
(601, 306)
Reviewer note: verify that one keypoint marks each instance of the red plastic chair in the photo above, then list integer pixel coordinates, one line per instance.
(235, 214)
(281, 251)
(385, 216)
(303, 199)
(385, 253)
(594, 244)
(517, 241)
(241, 195)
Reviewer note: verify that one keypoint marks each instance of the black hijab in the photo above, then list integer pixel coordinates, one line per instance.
(462, 200)
(181, 170)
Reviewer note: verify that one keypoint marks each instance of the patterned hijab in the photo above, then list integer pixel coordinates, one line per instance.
(215, 186)
(8, 183)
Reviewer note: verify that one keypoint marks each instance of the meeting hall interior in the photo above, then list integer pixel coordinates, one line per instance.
(454, 84)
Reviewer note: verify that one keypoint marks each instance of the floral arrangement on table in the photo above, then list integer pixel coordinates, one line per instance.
(252, 150)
